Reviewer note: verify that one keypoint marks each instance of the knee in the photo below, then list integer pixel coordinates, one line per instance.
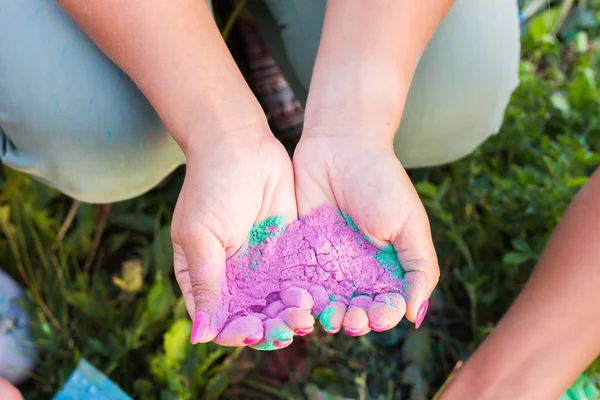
(111, 174)
(463, 84)
(122, 165)
(74, 121)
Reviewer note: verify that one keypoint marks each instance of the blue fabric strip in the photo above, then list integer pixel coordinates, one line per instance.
(86, 382)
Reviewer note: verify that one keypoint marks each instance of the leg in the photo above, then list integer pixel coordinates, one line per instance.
(68, 115)
(460, 89)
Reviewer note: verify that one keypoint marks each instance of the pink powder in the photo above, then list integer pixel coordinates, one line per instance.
(320, 249)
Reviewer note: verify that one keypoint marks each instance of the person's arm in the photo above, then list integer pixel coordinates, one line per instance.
(552, 332)
(175, 54)
(365, 63)
(366, 60)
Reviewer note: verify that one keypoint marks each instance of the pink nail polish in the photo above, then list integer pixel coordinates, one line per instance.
(421, 314)
(353, 332)
(280, 344)
(303, 332)
(249, 341)
(200, 327)
(377, 328)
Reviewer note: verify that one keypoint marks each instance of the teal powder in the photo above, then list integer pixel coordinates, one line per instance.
(354, 227)
(325, 318)
(349, 221)
(388, 259)
(280, 334)
(387, 256)
(267, 229)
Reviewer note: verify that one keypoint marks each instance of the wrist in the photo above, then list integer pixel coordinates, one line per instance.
(229, 121)
(356, 105)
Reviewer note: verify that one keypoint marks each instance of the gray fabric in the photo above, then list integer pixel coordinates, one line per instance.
(69, 116)
(461, 87)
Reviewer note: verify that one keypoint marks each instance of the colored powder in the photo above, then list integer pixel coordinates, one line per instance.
(324, 248)
(388, 259)
(265, 230)
(325, 318)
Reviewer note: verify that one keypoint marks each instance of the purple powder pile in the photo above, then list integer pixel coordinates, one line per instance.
(322, 249)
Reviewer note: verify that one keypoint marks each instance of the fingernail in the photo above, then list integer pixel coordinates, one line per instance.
(421, 314)
(377, 328)
(353, 332)
(249, 341)
(303, 332)
(280, 344)
(333, 331)
(200, 327)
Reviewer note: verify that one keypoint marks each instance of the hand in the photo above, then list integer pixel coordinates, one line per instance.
(231, 183)
(8, 391)
(364, 179)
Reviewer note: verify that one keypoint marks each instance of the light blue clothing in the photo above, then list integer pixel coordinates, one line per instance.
(72, 119)
(86, 382)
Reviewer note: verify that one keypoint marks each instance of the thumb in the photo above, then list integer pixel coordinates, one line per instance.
(203, 282)
(414, 246)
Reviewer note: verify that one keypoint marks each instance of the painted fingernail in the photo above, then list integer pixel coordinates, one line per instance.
(200, 327)
(353, 332)
(377, 328)
(421, 314)
(303, 332)
(333, 331)
(280, 344)
(249, 341)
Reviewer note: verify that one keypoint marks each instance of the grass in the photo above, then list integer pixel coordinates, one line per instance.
(104, 290)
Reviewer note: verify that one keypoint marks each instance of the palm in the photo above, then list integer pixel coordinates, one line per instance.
(227, 189)
(365, 180)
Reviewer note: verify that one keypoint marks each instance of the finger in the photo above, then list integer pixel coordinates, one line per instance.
(300, 321)
(205, 259)
(356, 321)
(277, 335)
(295, 296)
(241, 331)
(183, 278)
(320, 299)
(273, 309)
(332, 317)
(386, 311)
(417, 256)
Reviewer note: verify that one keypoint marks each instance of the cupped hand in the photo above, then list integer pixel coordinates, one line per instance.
(364, 179)
(231, 183)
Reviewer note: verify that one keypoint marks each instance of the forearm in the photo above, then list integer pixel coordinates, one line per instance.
(366, 60)
(175, 54)
(552, 331)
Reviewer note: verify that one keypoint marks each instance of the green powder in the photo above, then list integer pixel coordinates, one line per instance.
(349, 221)
(279, 334)
(387, 256)
(263, 231)
(325, 318)
(260, 233)
(388, 259)
(352, 225)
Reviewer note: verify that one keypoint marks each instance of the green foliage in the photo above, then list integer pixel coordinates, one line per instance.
(491, 214)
